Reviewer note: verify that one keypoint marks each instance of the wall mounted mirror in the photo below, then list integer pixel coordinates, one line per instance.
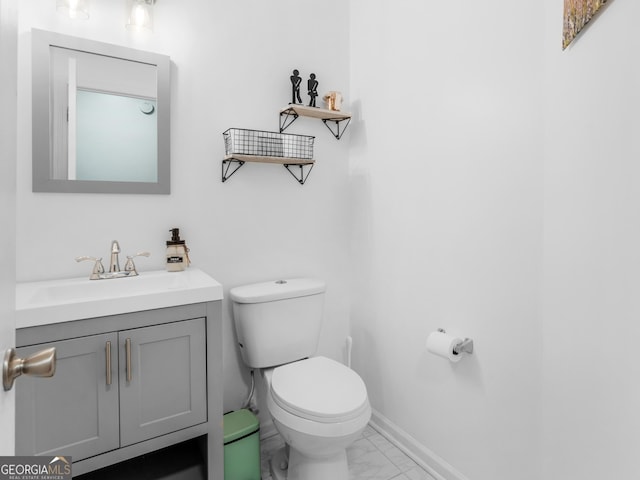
(101, 117)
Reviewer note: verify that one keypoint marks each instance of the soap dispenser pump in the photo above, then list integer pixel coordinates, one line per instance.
(177, 252)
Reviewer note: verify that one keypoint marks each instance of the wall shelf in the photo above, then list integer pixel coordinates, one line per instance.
(332, 119)
(295, 166)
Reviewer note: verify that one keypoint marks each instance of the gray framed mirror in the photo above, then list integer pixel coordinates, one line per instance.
(101, 117)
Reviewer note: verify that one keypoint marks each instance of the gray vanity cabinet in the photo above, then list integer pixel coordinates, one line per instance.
(125, 385)
(77, 413)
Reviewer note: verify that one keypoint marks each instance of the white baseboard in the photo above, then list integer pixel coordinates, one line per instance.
(427, 459)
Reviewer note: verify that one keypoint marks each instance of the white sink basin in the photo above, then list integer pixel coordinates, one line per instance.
(54, 301)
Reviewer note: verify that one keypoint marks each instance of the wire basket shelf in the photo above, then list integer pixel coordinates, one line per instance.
(241, 141)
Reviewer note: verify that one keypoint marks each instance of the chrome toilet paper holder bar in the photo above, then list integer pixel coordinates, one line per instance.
(466, 346)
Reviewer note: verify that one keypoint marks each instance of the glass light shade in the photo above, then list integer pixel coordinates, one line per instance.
(141, 14)
(76, 9)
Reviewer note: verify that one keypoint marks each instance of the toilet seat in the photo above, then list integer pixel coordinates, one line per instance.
(319, 389)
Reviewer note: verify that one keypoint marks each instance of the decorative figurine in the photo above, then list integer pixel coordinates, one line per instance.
(296, 80)
(312, 87)
(333, 101)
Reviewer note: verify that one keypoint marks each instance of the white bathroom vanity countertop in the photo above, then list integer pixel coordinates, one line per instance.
(55, 301)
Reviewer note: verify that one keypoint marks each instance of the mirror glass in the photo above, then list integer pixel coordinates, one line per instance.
(100, 117)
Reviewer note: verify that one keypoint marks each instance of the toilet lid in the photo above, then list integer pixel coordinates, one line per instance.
(319, 389)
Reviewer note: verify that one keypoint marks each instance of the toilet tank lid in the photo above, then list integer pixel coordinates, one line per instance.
(277, 290)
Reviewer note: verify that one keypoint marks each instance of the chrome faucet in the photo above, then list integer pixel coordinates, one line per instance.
(98, 272)
(114, 264)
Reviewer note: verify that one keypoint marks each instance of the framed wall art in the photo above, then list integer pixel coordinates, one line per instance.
(577, 13)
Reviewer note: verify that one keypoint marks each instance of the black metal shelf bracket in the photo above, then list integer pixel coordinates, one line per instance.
(286, 119)
(337, 132)
(300, 176)
(226, 164)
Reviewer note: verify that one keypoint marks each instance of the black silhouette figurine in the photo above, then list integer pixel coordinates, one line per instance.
(312, 87)
(296, 80)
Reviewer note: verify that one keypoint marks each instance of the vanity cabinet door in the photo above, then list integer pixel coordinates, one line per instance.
(162, 379)
(75, 412)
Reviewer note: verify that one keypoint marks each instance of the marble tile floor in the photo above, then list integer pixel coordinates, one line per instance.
(371, 457)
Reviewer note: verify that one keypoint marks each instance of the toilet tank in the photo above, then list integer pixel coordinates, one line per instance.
(278, 322)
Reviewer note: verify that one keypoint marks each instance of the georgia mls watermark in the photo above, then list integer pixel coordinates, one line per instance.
(35, 468)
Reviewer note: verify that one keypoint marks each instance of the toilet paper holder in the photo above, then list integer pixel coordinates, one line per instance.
(466, 346)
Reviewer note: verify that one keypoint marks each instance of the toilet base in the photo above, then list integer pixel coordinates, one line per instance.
(278, 464)
(302, 467)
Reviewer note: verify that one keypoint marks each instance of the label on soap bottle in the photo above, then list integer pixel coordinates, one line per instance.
(177, 259)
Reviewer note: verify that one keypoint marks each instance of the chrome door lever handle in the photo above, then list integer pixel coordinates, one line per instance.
(40, 364)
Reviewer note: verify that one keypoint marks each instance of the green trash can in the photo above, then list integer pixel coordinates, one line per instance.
(241, 446)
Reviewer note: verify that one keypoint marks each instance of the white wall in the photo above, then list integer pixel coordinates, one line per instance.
(231, 67)
(495, 194)
(446, 176)
(591, 256)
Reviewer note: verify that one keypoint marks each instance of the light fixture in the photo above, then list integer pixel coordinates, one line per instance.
(140, 14)
(76, 9)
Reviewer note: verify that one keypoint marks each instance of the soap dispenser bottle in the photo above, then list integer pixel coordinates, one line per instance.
(177, 252)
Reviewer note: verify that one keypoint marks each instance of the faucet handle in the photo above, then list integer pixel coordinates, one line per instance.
(130, 266)
(98, 268)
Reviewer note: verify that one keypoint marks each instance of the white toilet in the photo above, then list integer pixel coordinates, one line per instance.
(318, 405)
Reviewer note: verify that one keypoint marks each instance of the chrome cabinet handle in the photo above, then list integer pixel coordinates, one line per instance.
(127, 348)
(40, 364)
(108, 352)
